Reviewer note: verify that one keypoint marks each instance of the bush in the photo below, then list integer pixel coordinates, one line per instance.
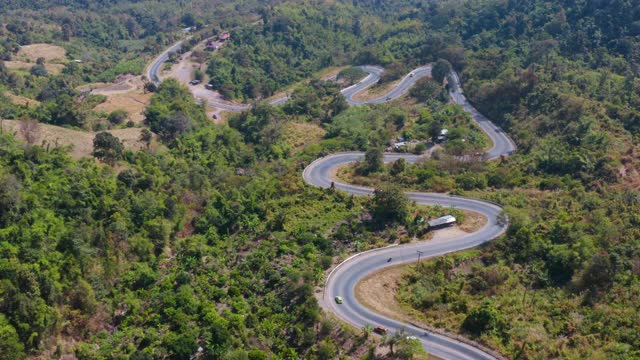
(117, 117)
(420, 148)
(351, 75)
(485, 318)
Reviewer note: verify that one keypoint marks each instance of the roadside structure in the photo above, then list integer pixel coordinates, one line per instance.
(442, 222)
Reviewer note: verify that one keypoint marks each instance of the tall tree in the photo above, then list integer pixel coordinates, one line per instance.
(389, 205)
(440, 70)
(107, 147)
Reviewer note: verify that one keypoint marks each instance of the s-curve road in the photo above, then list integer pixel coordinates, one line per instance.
(344, 278)
(502, 144)
(373, 76)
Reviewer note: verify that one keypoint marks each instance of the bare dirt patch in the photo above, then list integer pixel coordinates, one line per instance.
(123, 85)
(50, 136)
(184, 70)
(378, 292)
(50, 53)
(375, 91)
(473, 221)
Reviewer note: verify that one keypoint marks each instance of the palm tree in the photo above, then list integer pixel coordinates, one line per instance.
(366, 331)
(394, 339)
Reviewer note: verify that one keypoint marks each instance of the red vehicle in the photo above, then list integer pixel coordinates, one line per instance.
(380, 330)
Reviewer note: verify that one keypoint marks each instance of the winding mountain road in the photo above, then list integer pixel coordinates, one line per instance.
(343, 279)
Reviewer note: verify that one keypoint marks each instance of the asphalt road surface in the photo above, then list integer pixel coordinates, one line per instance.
(153, 70)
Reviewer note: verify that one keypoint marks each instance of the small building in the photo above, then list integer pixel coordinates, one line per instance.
(400, 144)
(442, 222)
(224, 36)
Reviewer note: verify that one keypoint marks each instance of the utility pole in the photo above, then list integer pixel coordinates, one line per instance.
(419, 254)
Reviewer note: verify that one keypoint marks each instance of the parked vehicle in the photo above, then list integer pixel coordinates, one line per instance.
(195, 82)
(380, 330)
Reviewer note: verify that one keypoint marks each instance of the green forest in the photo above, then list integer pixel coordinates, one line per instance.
(211, 246)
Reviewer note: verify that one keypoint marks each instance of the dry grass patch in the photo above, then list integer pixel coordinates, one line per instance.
(21, 100)
(298, 135)
(50, 136)
(50, 53)
(132, 102)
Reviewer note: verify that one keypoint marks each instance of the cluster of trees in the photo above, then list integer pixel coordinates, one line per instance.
(178, 250)
(284, 49)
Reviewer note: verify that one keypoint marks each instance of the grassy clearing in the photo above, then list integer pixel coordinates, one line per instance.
(50, 53)
(132, 102)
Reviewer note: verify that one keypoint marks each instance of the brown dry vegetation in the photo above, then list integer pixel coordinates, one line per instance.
(473, 222)
(126, 84)
(378, 292)
(21, 100)
(50, 136)
(375, 91)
